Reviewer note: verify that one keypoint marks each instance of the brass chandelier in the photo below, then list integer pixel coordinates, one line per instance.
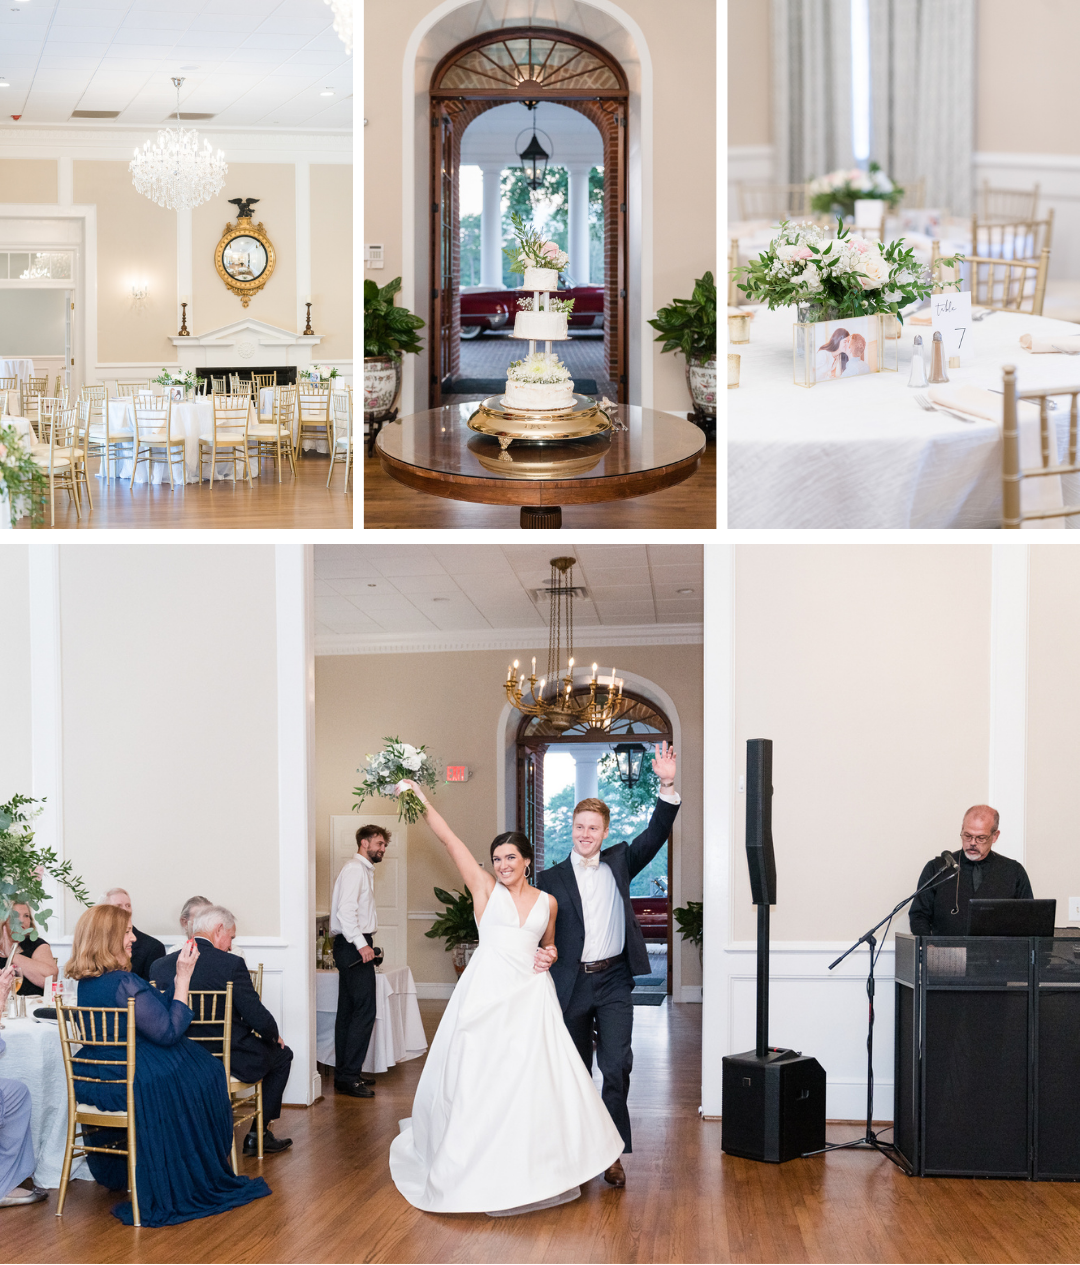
(552, 697)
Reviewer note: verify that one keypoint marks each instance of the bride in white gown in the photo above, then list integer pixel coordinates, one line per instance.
(505, 1118)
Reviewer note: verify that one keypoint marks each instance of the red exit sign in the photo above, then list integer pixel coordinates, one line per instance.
(457, 773)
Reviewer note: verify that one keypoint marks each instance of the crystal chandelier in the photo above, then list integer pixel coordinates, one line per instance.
(174, 172)
(343, 18)
(563, 708)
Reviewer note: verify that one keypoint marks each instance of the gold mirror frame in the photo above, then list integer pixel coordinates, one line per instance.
(245, 228)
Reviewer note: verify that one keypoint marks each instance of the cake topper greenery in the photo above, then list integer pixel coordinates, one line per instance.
(532, 251)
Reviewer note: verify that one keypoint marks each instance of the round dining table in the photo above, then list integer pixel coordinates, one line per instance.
(862, 453)
(437, 453)
(190, 419)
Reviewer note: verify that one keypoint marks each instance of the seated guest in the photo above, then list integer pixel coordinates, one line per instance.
(146, 950)
(191, 907)
(33, 959)
(184, 1123)
(258, 1053)
(16, 1145)
(944, 909)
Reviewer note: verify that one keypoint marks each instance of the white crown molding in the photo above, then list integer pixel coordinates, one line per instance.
(1052, 162)
(117, 144)
(506, 639)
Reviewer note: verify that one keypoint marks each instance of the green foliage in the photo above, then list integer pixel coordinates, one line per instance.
(388, 329)
(841, 198)
(691, 920)
(458, 923)
(22, 867)
(689, 325)
(596, 226)
(470, 250)
(21, 478)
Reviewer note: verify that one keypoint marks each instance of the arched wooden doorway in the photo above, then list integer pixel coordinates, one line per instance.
(524, 64)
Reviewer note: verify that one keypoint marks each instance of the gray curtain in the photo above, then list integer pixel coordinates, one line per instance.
(811, 87)
(922, 95)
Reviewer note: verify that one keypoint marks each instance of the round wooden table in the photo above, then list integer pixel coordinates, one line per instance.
(435, 452)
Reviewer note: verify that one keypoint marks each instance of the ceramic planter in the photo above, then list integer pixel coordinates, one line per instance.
(460, 955)
(382, 385)
(701, 379)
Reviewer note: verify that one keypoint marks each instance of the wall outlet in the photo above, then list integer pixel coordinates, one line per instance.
(1074, 908)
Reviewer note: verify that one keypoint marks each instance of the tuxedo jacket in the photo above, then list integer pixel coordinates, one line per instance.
(254, 1030)
(144, 953)
(626, 860)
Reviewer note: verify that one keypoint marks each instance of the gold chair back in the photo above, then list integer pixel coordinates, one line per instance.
(914, 196)
(1013, 473)
(132, 388)
(314, 416)
(1013, 239)
(211, 1027)
(1007, 204)
(1009, 285)
(341, 449)
(9, 384)
(94, 1028)
(217, 385)
(773, 201)
(256, 979)
(34, 389)
(263, 380)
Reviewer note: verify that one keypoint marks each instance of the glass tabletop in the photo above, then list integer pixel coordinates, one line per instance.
(440, 440)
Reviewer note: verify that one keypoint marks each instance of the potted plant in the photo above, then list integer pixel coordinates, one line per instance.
(689, 326)
(23, 484)
(691, 920)
(389, 331)
(457, 926)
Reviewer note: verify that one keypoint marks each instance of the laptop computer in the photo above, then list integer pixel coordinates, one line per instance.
(1004, 917)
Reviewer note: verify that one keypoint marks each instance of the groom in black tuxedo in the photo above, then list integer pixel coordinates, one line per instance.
(598, 946)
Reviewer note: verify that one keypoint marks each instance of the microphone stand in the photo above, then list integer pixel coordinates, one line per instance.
(870, 1140)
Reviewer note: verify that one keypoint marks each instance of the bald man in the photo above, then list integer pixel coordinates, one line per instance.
(146, 950)
(944, 910)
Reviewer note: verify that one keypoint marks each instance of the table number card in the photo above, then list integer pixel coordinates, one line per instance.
(951, 317)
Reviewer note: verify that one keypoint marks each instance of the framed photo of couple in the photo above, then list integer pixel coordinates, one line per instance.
(830, 351)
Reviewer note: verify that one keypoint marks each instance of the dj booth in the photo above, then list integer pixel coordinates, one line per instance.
(988, 1056)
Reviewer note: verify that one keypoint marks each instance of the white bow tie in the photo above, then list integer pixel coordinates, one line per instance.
(588, 863)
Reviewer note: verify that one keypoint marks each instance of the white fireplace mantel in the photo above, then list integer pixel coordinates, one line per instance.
(245, 342)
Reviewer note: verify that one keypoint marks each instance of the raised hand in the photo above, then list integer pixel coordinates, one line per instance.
(185, 963)
(664, 764)
(407, 784)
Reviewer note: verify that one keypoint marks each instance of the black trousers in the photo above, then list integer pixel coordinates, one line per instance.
(355, 1008)
(601, 1002)
(274, 1081)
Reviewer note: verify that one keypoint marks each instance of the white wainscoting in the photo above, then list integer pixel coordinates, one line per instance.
(750, 163)
(1058, 178)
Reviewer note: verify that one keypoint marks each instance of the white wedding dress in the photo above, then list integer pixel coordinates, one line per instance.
(505, 1115)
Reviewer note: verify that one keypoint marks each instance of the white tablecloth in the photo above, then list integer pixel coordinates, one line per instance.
(16, 367)
(399, 1032)
(191, 419)
(33, 1056)
(861, 453)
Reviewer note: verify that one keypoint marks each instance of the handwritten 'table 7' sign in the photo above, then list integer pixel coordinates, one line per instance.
(951, 317)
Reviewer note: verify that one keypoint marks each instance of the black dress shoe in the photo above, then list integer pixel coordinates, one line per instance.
(355, 1089)
(271, 1145)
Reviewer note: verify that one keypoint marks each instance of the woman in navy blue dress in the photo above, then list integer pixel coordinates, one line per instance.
(183, 1121)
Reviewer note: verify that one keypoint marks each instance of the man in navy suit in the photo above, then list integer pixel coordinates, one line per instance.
(598, 946)
(258, 1053)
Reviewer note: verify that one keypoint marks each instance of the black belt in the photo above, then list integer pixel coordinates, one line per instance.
(592, 968)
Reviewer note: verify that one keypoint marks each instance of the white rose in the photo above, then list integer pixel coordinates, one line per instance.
(413, 762)
(873, 269)
(407, 750)
(811, 277)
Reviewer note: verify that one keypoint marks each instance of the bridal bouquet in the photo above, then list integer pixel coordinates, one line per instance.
(837, 192)
(397, 761)
(532, 251)
(844, 276)
(21, 478)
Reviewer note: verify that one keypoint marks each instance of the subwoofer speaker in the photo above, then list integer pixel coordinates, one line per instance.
(773, 1107)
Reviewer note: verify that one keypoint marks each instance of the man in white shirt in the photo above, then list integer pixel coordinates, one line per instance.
(599, 942)
(353, 924)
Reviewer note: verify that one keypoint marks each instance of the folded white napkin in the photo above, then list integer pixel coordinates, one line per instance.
(1035, 494)
(1040, 344)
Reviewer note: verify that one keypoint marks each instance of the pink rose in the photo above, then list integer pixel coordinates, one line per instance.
(3, 452)
(549, 250)
(804, 252)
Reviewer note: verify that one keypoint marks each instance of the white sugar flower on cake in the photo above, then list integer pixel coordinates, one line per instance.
(538, 368)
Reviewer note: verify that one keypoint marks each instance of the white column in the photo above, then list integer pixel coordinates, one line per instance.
(586, 783)
(303, 244)
(1008, 694)
(65, 181)
(579, 222)
(46, 717)
(491, 227)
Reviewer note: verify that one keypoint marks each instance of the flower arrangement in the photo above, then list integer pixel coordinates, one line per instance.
(532, 251)
(397, 761)
(186, 380)
(21, 478)
(319, 373)
(837, 192)
(22, 867)
(538, 368)
(846, 276)
(553, 304)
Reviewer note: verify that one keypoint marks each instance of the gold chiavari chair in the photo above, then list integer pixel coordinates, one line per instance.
(256, 979)
(1009, 285)
(132, 388)
(229, 433)
(57, 459)
(211, 1027)
(1013, 473)
(106, 440)
(60, 391)
(1007, 204)
(275, 438)
(81, 450)
(914, 197)
(6, 385)
(217, 385)
(94, 1028)
(47, 409)
(263, 380)
(314, 414)
(1014, 239)
(773, 201)
(241, 386)
(33, 390)
(154, 440)
(341, 429)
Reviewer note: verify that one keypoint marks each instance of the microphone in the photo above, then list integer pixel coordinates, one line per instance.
(950, 862)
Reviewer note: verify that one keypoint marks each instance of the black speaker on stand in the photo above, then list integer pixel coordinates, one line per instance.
(773, 1106)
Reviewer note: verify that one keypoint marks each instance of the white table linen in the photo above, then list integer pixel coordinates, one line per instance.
(398, 1034)
(16, 367)
(33, 1056)
(861, 453)
(189, 420)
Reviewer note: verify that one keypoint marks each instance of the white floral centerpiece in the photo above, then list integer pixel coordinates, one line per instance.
(186, 380)
(396, 762)
(538, 368)
(836, 192)
(319, 373)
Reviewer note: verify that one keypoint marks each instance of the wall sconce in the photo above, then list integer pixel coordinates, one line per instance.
(140, 291)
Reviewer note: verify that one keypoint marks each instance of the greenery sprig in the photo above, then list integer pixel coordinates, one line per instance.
(22, 867)
(21, 478)
(689, 325)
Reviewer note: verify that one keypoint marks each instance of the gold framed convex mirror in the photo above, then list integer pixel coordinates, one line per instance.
(244, 257)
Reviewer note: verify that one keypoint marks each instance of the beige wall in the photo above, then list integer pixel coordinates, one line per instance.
(681, 38)
(332, 260)
(136, 243)
(749, 73)
(34, 179)
(211, 304)
(868, 666)
(15, 765)
(452, 701)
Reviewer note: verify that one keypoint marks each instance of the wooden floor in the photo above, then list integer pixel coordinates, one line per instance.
(689, 505)
(303, 503)
(685, 1200)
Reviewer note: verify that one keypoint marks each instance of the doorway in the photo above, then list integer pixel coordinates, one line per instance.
(520, 65)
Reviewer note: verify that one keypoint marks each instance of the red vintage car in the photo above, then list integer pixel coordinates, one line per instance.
(651, 913)
(483, 309)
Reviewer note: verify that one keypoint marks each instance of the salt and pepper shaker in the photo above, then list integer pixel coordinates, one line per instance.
(937, 360)
(918, 365)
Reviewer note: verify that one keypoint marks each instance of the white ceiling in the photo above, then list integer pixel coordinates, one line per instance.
(250, 63)
(493, 135)
(379, 589)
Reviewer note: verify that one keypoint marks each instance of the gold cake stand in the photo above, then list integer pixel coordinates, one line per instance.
(581, 420)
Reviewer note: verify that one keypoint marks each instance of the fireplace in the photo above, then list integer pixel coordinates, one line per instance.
(286, 374)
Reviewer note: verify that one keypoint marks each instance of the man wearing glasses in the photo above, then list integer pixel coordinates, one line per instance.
(943, 910)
